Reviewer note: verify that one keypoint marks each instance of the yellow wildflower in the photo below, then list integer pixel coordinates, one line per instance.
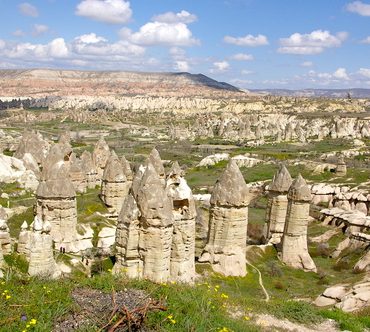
(246, 318)
(7, 297)
(33, 321)
(224, 296)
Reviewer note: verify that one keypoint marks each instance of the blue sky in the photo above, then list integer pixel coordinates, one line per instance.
(248, 43)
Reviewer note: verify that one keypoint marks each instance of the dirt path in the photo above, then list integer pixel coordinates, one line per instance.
(260, 281)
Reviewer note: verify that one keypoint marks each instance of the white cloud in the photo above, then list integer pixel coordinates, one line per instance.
(90, 38)
(246, 72)
(366, 40)
(28, 10)
(39, 29)
(18, 33)
(57, 48)
(242, 57)
(91, 44)
(359, 7)
(177, 52)
(248, 40)
(2, 44)
(171, 17)
(312, 43)
(238, 81)
(220, 66)
(182, 66)
(160, 33)
(364, 72)
(307, 64)
(108, 11)
(341, 74)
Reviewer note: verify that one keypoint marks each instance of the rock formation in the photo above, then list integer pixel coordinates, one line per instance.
(34, 144)
(100, 157)
(294, 241)
(89, 169)
(155, 159)
(2, 262)
(277, 205)
(128, 260)
(341, 169)
(183, 239)
(56, 203)
(156, 223)
(227, 235)
(115, 186)
(77, 174)
(24, 240)
(5, 241)
(42, 261)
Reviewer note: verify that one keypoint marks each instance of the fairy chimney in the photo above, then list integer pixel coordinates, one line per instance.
(114, 187)
(227, 236)
(277, 205)
(56, 203)
(42, 263)
(128, 260)
(294, 242)
(183, 238)
(34, 144)
(100, 157)
(89, 169)
(155, 159)
(156, 223)
(24, 239)
(127, 169)
(5, 240)
(341, 169)
(77, 174)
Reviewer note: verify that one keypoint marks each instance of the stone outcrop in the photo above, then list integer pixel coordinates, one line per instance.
(294, 242)
(56, 203)
(115, 186)
(183, 239)
(345, 297)
(277, 205)
(5, 240)
(100, 157)
(227, 236)
(2, 262)
(42, 263)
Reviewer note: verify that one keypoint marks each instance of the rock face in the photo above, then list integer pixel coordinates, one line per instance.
(294, 248)
(183, 239)
(115, 186)
(100, 157)
(56, 203)
(5, 241)
(77, 175)
(277, 205)
(2, 262)
(227, 236)
(42, 263)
